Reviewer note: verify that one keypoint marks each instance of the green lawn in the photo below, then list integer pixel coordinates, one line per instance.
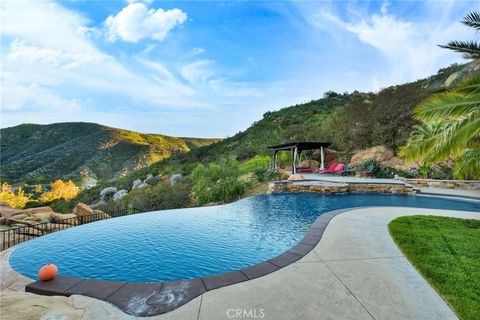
(446, 251)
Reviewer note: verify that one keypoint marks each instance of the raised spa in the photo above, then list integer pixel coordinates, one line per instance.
(196, 242)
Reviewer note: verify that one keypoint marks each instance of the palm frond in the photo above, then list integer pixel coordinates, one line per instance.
(470, 86)
(470, 49)
(455, 139)
(468, 164)
(472, 20)
(448, 105)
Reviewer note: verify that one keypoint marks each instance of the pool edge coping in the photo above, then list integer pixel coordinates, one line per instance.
(183, 291)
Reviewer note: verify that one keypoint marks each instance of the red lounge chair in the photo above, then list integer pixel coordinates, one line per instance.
(339, 168)
(329, 170)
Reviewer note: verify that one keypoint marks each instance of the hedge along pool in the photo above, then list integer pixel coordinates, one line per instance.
(196, 242)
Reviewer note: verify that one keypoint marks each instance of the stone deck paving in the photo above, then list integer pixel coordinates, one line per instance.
(355, 272)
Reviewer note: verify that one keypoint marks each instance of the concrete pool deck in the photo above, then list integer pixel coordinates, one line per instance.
(355, 272)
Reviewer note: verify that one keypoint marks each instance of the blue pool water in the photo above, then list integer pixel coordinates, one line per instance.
(196, 242)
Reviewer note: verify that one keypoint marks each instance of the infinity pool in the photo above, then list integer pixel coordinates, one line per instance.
(196, 242)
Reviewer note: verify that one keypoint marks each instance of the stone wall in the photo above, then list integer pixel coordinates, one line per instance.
(446, 184)
(289, 186)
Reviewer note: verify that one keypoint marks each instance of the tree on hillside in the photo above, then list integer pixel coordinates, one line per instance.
(457, 112)
(60, 190)
(16, 199)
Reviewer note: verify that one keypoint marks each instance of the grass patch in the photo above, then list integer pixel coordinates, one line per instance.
(256, 162)
(446, 251)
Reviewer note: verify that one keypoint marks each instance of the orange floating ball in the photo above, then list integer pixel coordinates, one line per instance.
(47, 272)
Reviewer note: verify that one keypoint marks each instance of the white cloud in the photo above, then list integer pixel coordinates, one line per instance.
(199, 71)
(408, 47)
(197, 50)
(22, 51)
(136, 22)
(36, 98)
(45, 24)
(47, 54)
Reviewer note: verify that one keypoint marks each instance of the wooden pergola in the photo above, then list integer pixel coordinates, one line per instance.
(296, 148)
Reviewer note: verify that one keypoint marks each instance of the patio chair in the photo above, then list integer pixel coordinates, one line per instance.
(339, 168)
(329, 170)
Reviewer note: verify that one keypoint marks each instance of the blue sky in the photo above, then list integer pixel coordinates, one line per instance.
(209, 69)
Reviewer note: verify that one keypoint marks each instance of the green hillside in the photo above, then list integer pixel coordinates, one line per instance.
(351, 121)
(42, 153)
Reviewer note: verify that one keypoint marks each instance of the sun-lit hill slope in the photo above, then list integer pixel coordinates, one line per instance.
(41, 153)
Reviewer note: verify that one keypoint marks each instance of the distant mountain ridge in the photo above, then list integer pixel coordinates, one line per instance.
(32, 152)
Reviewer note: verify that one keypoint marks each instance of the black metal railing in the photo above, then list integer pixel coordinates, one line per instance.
(10, 237)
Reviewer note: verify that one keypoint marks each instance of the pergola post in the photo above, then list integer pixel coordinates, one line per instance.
(322, 158)
(294, 167)
(275, 159)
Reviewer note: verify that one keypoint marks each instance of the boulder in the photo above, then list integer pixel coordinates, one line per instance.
(107, 194)
(151, 180)
(98, 204)
(25, 221)
(81, 209)
(40, 213)
(283, 175)
(296, 177)
(330, 155)
(7, 211)
(20, 216)
(309, 164)
(176, 178)
(68, 218)
(119, 194)
(138, 184)
(378, 153)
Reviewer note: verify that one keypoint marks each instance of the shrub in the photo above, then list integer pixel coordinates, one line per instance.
(265, 174)
(375, 169)
(60, 190)
(217, 182)
(370, 165)
(16, 200)
(158, 197)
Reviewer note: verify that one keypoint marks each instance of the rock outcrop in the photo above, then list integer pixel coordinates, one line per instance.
(378, 153)
(81, 209)
(120, 194)
(151, 180)
(107, 194)
(296, 177)
(384, 156)
(138, 184)
(176, 178)
(6, 211)
(40, 213)
(309, 164)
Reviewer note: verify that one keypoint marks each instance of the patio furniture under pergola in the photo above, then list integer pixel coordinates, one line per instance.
(296, 148)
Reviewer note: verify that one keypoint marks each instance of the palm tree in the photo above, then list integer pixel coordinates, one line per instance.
(470, 49)
(451, 119)
(421, 141)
